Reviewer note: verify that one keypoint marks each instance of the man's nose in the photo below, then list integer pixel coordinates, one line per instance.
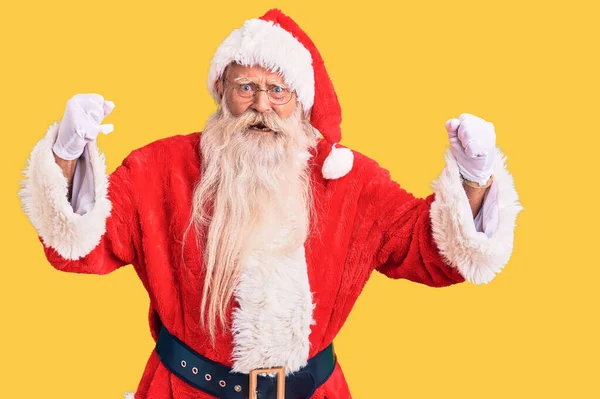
(261, 102)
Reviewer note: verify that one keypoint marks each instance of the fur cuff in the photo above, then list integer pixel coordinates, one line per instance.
(477, 257)
(44, 199)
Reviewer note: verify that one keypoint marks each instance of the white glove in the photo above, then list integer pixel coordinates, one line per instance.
(473, 144)
(81, 124)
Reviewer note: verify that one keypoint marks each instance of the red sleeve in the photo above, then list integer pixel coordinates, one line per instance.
(116, 247)
(99, 241)
(434, 240)
(408, 249)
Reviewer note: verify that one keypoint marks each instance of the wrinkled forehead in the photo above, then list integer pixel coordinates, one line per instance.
(255, 73)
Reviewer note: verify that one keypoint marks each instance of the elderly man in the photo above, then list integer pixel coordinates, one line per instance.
(255, 237)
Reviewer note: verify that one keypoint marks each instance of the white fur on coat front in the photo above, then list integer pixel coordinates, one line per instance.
(44, 199)
(478, 257)
(271, 324)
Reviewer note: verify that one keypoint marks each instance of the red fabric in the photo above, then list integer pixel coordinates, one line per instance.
(326, 113)
(365, 222)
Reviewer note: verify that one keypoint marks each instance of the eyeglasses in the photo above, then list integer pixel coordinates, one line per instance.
(278, 95)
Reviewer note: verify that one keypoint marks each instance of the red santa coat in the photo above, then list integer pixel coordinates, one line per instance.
(365, 222)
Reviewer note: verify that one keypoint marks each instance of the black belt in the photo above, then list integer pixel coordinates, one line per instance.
(218, 380)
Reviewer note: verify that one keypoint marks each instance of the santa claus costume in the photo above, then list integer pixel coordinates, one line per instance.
(287, 307)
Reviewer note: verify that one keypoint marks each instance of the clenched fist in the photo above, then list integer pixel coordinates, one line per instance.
(473, 144)
(81, 124)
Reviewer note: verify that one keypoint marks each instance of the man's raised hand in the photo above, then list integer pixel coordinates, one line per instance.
(81, 124)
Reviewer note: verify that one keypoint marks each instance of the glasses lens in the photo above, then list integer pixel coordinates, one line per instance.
(245, 90)
(279, 95)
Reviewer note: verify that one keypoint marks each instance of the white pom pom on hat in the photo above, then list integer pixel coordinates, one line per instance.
(274, 41)
(338, 163)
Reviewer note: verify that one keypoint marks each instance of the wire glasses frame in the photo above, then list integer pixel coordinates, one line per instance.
(277, 95)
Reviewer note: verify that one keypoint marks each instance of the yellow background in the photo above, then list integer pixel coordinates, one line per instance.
(400, 72)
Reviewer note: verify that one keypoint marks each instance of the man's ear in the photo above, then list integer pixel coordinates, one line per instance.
(305, 115)
(220, 83)
(219, 88)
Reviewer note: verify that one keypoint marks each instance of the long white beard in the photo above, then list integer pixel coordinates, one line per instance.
(253, 185)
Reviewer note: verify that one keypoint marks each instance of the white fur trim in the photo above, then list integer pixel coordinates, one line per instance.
(271, 324)
(44, 200)
(338, 163)
(265, 43)
(129, 395)
(478, 257)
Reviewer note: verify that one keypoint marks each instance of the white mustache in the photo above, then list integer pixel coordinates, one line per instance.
(251, 118)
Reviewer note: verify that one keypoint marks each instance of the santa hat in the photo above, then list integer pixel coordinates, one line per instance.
(274, 41)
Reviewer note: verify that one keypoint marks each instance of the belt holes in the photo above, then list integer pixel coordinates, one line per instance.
(183, 363)
(222, 384)
(207, 377)
(195, 370)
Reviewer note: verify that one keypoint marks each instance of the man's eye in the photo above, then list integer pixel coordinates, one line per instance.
(277, 89)
(245, 87)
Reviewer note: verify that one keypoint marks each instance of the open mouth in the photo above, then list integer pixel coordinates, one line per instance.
(259, 127)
